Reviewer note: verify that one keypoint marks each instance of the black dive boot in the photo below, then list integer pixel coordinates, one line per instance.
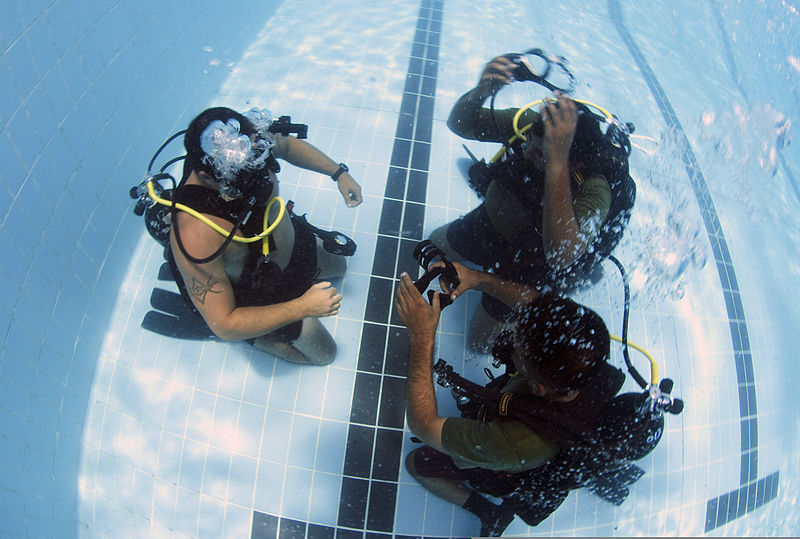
(494, 518)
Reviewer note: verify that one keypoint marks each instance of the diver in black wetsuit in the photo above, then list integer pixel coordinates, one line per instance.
(270, 292)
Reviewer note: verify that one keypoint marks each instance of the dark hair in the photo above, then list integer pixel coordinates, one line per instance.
(565, 343)
(191, 140)
(592, 150)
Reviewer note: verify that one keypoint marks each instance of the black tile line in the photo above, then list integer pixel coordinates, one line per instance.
(368, 502)
(369, 482)
(267, 526)
(752, 494)
(718, 509)
(739, 502)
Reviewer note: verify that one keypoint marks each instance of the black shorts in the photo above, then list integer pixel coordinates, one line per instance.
(432, 463)
(534, 502)
(474, 238)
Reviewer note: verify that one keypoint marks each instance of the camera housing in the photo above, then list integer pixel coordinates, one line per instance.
(426, 253)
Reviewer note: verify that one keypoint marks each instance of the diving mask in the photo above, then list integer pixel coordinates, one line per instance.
(241, 164)
(545, 69)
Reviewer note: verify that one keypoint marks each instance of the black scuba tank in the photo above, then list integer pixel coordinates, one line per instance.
(629, 427)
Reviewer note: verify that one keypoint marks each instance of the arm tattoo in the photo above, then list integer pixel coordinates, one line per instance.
(201, 289)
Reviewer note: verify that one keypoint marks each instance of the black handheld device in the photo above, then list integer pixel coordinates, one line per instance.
(284, 126)
(425, 253)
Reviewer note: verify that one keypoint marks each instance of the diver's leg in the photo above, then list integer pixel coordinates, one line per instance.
(314, 346)
(468, 240)
(473, 239)
(315, 343)
(494, 518)
(278, 346)
(451, 490)
(482, 326)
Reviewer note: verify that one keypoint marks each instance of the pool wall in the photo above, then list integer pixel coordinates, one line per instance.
(88, 90)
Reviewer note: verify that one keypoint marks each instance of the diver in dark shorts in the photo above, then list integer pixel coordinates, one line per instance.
(272, 290)
(559, 350)
(551, 208)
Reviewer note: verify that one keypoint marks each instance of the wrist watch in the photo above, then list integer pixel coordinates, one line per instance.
(342, 168)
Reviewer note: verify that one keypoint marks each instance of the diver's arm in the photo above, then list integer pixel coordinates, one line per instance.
(212, 293)
(421, 319)
(468, 118)
(511, 293)
(302, 154)
(563, 241)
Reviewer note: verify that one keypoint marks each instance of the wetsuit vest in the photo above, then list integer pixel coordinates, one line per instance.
(537, 492)
(562, 423)
(261, 283)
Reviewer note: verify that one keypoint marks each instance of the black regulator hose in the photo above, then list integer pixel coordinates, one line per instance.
(625, 312)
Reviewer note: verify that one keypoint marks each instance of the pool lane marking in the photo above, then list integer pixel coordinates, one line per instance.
(753, 492)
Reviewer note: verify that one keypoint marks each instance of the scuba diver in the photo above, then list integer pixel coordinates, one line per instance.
(556, 198)
(246, 263)
(552, 423)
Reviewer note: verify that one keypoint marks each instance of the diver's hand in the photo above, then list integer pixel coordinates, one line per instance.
(560, 120)
(420, 318)
(351, 191)
(320, 300)
(497, 72)
(469, 279)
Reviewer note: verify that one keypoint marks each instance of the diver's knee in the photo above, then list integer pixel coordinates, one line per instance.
(315, 343)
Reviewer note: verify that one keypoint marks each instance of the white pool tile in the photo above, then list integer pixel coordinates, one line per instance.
(310, 397)
(438, 516)
(275, 437)
(269, 487)
(331, 447)
(193, 463)
(249, 425)
(224, 433)
(217, 470)
(339, 387)
(410, 501)
(188, 504)
(242, 481)
(323, 502)
(233, 375)
(285, 380)
(296, 505)
(211, 517)
(238, 521)
(303, 442)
